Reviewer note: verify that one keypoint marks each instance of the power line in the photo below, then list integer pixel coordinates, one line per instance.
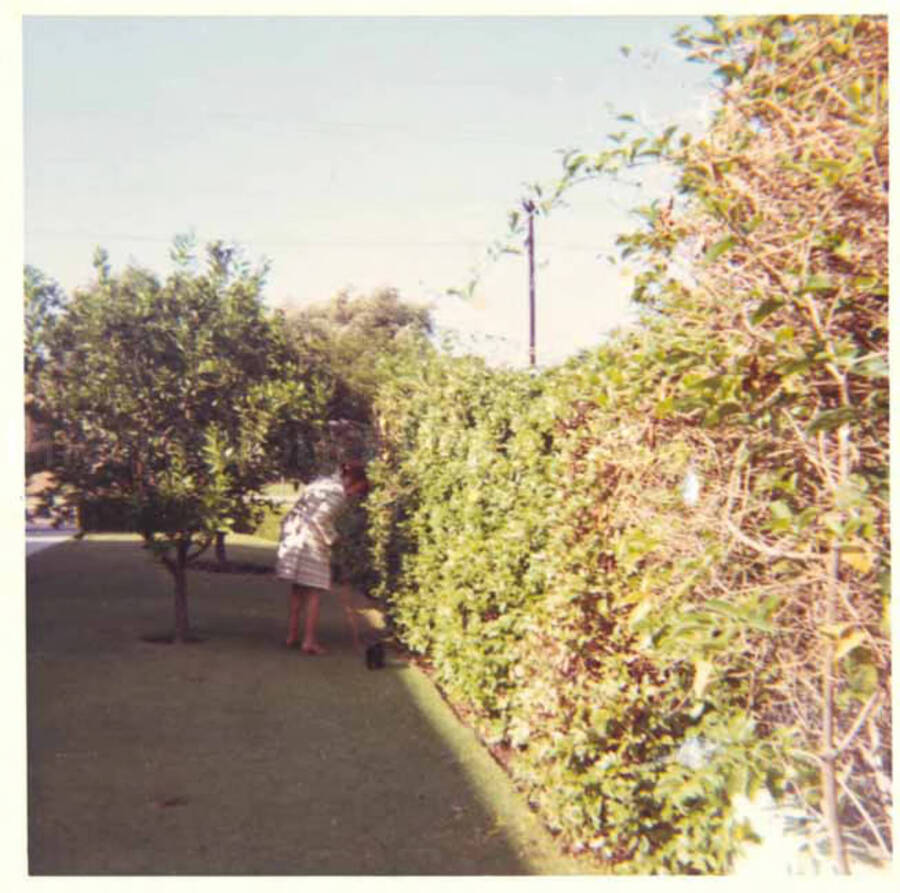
(301, 243)
(293, 243)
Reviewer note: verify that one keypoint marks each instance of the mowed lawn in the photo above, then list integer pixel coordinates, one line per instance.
(236, 755)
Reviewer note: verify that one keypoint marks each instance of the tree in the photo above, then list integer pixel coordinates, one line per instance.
(351, 340)
(173, 398)
(348, 336)
(44, 300)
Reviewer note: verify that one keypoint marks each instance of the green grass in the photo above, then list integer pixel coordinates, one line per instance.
(269, 528)
(282, 490)
(236, 755)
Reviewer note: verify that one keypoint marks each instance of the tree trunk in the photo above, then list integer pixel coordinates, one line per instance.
(220, 547)
(182, 629)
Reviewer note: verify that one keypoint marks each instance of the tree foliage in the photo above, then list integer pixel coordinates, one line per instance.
(174, 397)
(43, 301)
(347, 336)
(778, 346)
(659, 576)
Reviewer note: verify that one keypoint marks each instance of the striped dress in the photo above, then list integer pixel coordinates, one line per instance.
(307, 534)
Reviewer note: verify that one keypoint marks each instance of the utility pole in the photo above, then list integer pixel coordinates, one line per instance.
(529, 209)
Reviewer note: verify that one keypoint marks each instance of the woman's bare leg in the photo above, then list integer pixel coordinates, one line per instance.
(310, 644)
(297, 593)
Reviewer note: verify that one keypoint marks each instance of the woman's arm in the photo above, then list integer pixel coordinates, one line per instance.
(322, 518)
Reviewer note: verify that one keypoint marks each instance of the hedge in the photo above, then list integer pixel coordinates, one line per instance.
(658, 577)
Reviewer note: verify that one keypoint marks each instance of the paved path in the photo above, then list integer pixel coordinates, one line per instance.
(40, 538)
(236, 755)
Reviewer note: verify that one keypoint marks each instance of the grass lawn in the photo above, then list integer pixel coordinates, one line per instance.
(236, 755)
(283, 490)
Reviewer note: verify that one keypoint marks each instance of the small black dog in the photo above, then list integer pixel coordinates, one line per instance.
(375, 656)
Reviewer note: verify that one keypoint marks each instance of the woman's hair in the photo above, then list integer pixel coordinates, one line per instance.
(356, 472)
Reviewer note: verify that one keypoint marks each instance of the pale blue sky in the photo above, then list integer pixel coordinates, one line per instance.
(352, 152)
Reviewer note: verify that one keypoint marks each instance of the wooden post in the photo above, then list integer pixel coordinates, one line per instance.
(529, 208)
(220, 548)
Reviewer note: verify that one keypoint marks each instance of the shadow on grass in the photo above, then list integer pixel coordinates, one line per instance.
(237, 755)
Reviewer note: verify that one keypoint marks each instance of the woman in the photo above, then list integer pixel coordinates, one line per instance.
(304, 549)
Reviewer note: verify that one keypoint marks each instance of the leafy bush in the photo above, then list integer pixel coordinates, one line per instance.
(495, 541)
(349, 555)
(108, 514)
(658, 576)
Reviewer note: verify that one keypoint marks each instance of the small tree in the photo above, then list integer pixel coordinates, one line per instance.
(171, 398)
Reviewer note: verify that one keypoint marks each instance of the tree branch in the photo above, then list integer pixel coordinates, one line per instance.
(765, 549)
(860, 719)
(200, 550)
(866, 817)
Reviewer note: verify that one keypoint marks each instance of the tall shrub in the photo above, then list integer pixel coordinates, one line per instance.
(659, 575)
(777, 347)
